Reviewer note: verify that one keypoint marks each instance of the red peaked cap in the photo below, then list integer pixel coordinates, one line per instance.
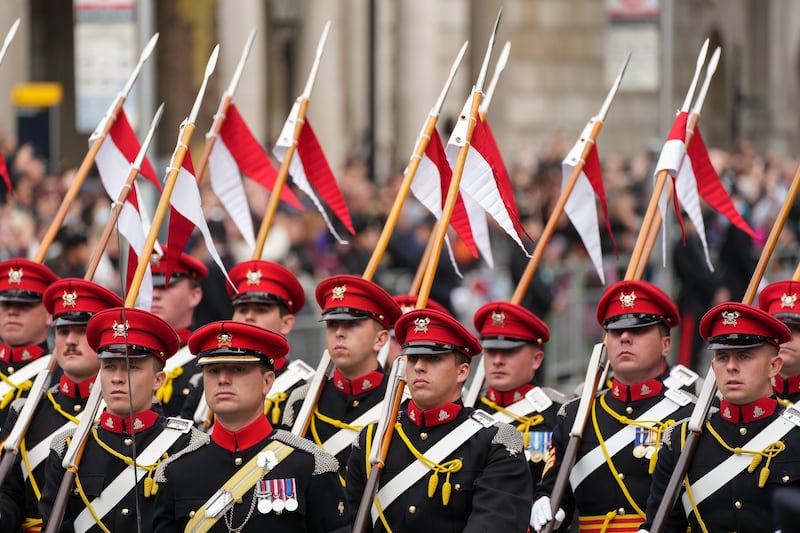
(266, 282)
(186, 267)
(737, 325)
(348, 297)
(74, 300)
(23, 280)
(145, 333)
(427, 332)
(636, 304)
(504, 326)
(780, 300)
(227, 341)
(407, 302)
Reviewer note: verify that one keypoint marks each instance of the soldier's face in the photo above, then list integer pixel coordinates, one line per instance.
(508, 369)
(176, 303)
(129, 384)
(744, 375)
(23, 323)
(354, 344)
(236, 392)
(264, 315)
(637, 354)
(73, 354)
(790, 354)
(434, 380)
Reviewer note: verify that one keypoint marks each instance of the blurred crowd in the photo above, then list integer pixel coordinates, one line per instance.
(757, 182)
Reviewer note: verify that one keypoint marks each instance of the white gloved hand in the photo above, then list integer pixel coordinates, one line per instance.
(642, 531)
(541, 514)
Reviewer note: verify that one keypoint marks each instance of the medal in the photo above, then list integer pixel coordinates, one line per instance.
(264, 497)
(537, 457)
(278, 503)
(639, 451)
(640, 440)
(291, 496)
(541, 441)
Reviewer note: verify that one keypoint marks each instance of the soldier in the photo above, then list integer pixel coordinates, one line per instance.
(23, 327)
(249, 477)
(748, 446)
(71, 302)
(132, 346)
(175, 303)
(780, 300)
(512, 339)
(268, 296)
(449, 467)
(357, 314)
(611, 477)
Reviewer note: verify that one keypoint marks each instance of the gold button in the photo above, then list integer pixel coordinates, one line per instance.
(785, 479)
(128, 442)
(237, 461)
(77, 408)
(185, 391)
(423, 436)
(738, 505)
(355, 403)
(629, 409)
(76, 492)
(742, 431)
(621, 510)
(191, 514)
(412, 509)
(10, 370)
(125, 511)
(457, 487)
(621, 476)
(237, 501)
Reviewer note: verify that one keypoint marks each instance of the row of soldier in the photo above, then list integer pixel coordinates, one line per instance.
(450, 466)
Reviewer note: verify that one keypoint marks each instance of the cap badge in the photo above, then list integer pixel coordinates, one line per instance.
(645, 390)
(68, 299)
(627, 300)
(421, 325)
(729, 318)
(120, 330)
(758, 411)
(443, 415)
(15, 276)
(498, 319)
(788, 301)
(224, 340)
(254, 278)
(338, 292)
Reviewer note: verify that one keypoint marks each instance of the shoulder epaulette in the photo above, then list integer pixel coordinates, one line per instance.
(556, 396)
(59, 442)
(17, 404)
(323, 461)
(296, 395)
(508, 436)
(563, 409)
(197, 439)
(666, 439)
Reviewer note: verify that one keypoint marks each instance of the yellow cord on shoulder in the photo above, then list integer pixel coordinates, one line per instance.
(525, 422)
(446, 468)
(272, 406)
(164, 393)
(149, 485)
(770, 451)
(328, 420)
(15, 392)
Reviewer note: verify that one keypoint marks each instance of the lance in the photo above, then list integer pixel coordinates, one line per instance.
(298, 115)
(9, 37)
(74, 453)
(661, 179)
(42, 381)
(484, 108)
(385, 430)
(99, 136)
(704, 400)
(691, 126)
(301, 424)
(588, 138)
(222, 110)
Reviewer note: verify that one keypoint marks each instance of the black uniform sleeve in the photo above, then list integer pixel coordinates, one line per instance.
(560, 440)
(165, 520)
(54, 472)
(667, 459)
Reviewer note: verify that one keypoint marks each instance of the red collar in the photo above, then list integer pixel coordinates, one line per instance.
(506, 398)
(121, 424)
(433, 417)
(235, 441)
(359, 385)
(183, 335)
(638, 391)
(747, 413)
(73, 390)
(790, 385)
(20, 354)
